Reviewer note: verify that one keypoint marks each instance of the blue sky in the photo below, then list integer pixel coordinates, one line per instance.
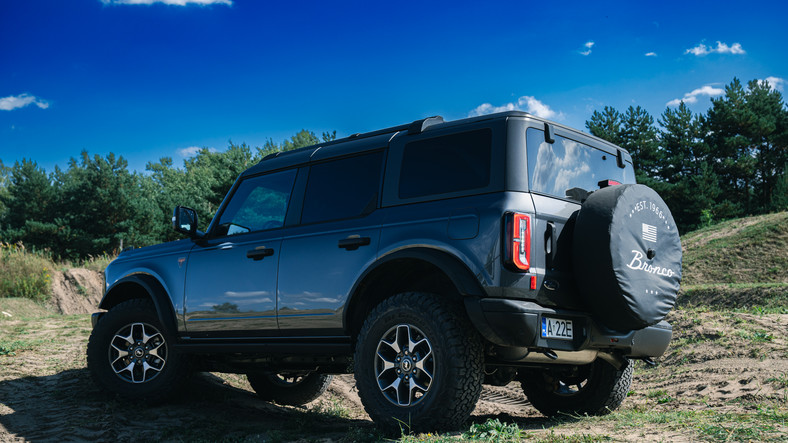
(151, 80)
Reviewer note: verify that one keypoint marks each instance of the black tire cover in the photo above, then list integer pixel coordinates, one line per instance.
(627, 256)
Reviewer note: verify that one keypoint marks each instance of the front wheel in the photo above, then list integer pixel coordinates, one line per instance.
(289, 388)
(593, 389)
(130, 354)
(418, 364)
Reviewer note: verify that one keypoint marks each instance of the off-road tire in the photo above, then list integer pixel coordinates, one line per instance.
(550, 390)
(153, 386)
(289, 389)
(455, 361)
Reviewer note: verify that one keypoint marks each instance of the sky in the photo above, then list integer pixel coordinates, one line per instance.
(147, 79)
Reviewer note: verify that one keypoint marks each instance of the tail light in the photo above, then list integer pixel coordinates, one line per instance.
(517, 241)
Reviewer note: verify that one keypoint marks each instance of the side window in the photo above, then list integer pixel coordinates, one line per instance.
(342, 188)
(259, 203)
(441, 165)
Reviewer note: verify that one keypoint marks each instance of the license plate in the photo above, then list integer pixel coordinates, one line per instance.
(556, 328)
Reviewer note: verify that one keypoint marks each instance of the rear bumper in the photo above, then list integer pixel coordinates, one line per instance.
(516, 323)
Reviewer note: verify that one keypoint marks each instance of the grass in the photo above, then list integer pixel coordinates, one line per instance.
(28, 274)
(24, 274)
(747, 250)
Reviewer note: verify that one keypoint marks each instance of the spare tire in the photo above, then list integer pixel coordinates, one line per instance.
(627, 256)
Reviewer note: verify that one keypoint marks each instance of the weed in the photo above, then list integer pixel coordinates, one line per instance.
(659, 393)
(333, 408)
(494, 430)
(9, 348)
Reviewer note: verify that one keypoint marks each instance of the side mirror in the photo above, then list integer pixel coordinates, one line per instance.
(184, 220)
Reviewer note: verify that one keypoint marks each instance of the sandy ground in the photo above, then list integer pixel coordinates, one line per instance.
(727, 364)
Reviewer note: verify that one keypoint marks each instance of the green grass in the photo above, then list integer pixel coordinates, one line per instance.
(746, 250)
(10, 347)
(24, 274)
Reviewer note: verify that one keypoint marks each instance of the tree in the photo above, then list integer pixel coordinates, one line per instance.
(727, 128)
(681, 140)
(768, 136)
(639, 137)
(104, 205)
(301, 139)
(606, 125)
(684, 165)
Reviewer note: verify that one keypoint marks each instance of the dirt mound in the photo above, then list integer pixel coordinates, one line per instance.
(76, 291)
(745, 250)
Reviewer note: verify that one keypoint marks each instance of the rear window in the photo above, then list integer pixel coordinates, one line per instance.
(443, 165)
(566, 168)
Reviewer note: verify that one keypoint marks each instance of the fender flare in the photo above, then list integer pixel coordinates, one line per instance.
(458, 272)
(117, 293)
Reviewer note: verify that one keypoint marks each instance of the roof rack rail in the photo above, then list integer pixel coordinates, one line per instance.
(416, 127)
(419, 126)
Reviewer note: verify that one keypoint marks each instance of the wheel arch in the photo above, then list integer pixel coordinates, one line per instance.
(407, 270)
(146, 287)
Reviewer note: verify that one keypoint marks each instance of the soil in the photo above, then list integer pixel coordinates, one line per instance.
(76, 291)
(719, 361)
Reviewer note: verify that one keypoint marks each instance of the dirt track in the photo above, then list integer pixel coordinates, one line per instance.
(722, 363)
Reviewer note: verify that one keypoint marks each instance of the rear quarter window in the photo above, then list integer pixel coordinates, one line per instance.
(448, 164)
(343, 188)
(562, 168)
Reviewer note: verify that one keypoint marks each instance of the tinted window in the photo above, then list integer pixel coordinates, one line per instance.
(457, 162)
(558, 168)
(258, 204)
(342, 188)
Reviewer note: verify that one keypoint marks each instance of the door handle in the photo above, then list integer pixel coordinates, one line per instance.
(353, 242)
(259, 253)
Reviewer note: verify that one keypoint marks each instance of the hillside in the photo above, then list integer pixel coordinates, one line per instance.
(738, 264)
(750, 250)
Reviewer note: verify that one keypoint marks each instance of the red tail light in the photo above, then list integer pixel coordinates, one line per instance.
(517, 241)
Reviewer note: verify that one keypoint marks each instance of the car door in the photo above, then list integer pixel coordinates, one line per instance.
(231, 276)
(336, 240)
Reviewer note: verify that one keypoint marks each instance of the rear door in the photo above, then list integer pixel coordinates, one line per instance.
(561, 174)
(337, 239)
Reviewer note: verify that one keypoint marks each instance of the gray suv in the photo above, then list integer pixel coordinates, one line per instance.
(428, 259)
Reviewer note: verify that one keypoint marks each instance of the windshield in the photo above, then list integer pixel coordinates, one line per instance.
(570, 169)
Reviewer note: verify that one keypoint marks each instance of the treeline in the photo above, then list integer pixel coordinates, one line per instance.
(726, 163)
(97, 206)
(729, 162)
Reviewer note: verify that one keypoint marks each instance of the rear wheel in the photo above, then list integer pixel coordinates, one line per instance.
(289, 388)
(418, 364)
(594, 389)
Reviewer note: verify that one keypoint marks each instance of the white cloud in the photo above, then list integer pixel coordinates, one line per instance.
(588, 45)
(168, 2)
(20, 101)
(651, 54)
(775, 82)
(721, 48)
(525, 103)
(692, 97)
(191, 151)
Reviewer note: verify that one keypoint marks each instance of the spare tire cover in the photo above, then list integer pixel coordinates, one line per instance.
(627, 256)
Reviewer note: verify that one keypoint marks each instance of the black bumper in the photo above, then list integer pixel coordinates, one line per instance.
(516, 323)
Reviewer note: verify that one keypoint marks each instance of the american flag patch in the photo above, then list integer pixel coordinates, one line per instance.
(649, 233)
